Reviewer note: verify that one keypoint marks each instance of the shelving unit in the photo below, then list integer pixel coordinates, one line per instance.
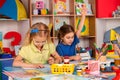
(70, 18)
(104, 19)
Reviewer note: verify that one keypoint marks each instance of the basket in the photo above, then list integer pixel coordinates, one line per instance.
(62, 68)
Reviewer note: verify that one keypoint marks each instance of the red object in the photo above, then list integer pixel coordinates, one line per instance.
(104, 8)
(115, 68)
(7, 50)
(2, 3)
(117, 77)
(87, 71)
(66, 60)
(15, 35)
(59, 0)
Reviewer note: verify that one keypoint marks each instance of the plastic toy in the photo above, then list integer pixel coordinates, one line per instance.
(66, 59)
(39, 5)
(62, 68)
(44, 11)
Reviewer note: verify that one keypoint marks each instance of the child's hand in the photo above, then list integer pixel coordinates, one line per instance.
(51, 60)
(77, 57)
(37, 65)
(84, 10)
(58, 60)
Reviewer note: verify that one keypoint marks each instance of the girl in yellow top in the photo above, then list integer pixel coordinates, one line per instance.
(37, 48)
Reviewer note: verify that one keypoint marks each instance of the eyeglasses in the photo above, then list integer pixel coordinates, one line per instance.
(39, 42)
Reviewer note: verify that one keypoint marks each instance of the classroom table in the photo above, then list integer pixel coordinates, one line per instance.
(11, 73)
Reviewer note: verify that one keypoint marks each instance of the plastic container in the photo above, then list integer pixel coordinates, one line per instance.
(62, 68)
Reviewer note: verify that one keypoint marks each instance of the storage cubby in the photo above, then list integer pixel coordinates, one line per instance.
(69, 16)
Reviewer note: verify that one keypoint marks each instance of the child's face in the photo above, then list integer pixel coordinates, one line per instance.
(68, 38)
(39, 41)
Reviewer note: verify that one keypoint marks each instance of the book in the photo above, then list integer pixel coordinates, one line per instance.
(60, 6)
(79, 4)
(60, 22)
(85, 29)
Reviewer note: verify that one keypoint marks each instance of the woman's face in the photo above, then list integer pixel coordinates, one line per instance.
(68, 38)
(39, 41)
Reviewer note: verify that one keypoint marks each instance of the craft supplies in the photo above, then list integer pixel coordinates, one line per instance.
(94, 67)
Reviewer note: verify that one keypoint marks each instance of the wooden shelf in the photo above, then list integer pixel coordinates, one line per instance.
(70, 15)
(42, 15)
(88, 37)
(110, 18)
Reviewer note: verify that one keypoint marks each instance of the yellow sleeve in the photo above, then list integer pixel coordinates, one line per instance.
(51, 48)
(22, 52)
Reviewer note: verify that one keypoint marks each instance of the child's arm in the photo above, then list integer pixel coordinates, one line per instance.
(76, 58)
(18, 62)
(83, 13)
(58, 59)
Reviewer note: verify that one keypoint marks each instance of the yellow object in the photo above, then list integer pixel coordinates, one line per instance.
(113, 56)
(21, 11)
(112, 35)
(110, 52)
(79, 72)
(37, 78)
(50, 26)
(43, 11)
(62, 68)
(117, 62)
(102, 59)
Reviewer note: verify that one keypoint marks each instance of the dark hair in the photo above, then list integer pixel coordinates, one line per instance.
(65, 29)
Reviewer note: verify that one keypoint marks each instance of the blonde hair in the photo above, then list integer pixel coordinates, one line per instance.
(43, 30)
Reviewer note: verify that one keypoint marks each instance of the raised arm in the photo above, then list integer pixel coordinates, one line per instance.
(83, 13)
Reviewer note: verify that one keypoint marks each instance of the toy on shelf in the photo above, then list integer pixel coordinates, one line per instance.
(40, 8)
(39, 5)
(62, 68)
(116, 13)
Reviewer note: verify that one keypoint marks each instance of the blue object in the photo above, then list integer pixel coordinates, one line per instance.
(5, 63)
(67, 50)
(35, 30)
(5, 55)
